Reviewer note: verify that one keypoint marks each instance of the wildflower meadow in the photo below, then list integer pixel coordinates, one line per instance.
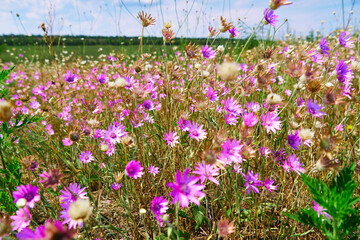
(196, 141)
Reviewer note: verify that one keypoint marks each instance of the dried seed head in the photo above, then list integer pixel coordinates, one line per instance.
(137, 69)
(121, 82)
(74, 136)
(306, 134)
(209, 156)
(273, 99)
(80, 210)
(5, 111)
(228, 71)
(167, 24)
(104, 147)
(118, 176)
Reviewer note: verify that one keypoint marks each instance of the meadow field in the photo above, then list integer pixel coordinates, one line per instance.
(252, 138)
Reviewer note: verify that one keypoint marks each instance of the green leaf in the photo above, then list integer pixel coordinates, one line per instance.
(5, 73)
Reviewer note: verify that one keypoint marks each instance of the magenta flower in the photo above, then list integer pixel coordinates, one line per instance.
(344, 40)
(133, 169)
(320, 210)
(171, 138)
(114, 134)
(294, 140)
(29, 193)
(208, 52)
(234, 32)
(292, 163)
(21, 220)
(196, 132)
(185, 189)
(314, 109)
(250, 119)
(183, 124)
(344, 72)
(271, 122)
(231, 152)
(159, 205)
(270, 17)
(207, 171)
(153, 170)
(70, 77)
(231, 105)
(71, 194)
(28, 234)
(116, 186)
(251, 182)
(268, 184)
(86, 157)
(149, 105)
(67, 142)
(102, 78)
(324, 46)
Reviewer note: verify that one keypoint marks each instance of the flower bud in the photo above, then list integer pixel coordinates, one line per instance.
(5, 111)
(21, 203)
(80, 210)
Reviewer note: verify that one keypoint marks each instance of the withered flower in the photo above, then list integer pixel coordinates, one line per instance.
(225, 26)
(225, 227)
(325, 163)
(294, 69)
(168, 34)
(51, 178)
(191, 50)
(212, 31)
(275, 4)
(146, 19)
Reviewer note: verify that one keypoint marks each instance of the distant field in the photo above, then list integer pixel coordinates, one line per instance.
(35, 53)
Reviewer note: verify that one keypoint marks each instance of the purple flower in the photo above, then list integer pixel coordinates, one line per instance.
(208, 52)
(102, 78)
(133, 169)
(86, 157)
(344, 40)
(292, 163)
(206, 171)
(344, 73)
(294, 140)
(314, 109)
(185, 189)
(21, 220)
(159, 205)
(320, 210)
(270, 17)
(268, 184)
(29, 193)
(251, 182)
(231, 105)
(153, 170)
(70, 77)
(250, 119)
(171, 138)
(324, 46)
(196, 132)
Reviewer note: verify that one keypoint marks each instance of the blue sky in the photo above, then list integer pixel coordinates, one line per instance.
(190, 18)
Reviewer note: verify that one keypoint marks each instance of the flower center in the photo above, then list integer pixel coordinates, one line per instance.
(29, 196)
